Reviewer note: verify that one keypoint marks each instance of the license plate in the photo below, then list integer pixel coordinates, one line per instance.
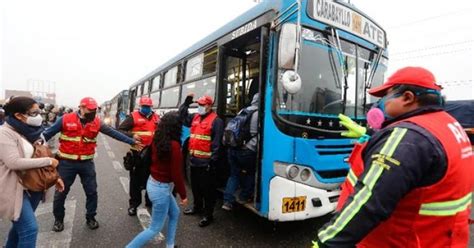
(293, 204)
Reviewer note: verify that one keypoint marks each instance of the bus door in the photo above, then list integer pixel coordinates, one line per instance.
(239, 77)
(133, 97)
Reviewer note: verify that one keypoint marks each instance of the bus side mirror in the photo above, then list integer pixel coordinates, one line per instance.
(291, 81)
(287, 46)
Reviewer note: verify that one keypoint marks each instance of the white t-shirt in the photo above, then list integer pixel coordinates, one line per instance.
(27, 148)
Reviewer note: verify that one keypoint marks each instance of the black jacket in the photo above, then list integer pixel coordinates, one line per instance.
(415, 159)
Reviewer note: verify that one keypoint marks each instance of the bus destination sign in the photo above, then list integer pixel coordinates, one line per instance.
(342, 17)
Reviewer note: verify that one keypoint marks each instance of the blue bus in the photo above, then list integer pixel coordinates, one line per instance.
(116, 109)
(309, 61)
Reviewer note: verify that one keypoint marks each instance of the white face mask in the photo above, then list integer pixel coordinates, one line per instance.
(35, 121)
(201, 110)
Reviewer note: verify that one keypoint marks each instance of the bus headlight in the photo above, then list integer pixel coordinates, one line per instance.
(305, 174)
(292, 171)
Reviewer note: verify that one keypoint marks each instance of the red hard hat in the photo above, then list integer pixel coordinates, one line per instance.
(205, 100)
(89, 103)
(416, 76)
(145, 101)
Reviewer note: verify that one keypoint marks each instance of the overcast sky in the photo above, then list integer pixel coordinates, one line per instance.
(97, 48)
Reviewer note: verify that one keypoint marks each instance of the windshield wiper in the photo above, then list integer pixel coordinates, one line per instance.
(369, 79)
(344, 66)
(373, 69)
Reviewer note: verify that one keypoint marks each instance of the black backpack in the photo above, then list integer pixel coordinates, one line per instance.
(237, 131)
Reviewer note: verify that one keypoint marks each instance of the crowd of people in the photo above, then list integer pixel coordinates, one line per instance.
(410, 180)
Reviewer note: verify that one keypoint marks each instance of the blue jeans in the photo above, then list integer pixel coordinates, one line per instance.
(24, 231)
(242, 172)
(164, 205)
(68, 170)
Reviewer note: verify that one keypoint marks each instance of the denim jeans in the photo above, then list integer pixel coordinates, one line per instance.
(68, 170)
(164, 205)
(24, 231)
(242, 172)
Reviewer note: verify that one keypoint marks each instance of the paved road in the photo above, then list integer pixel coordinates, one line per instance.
(239, 228)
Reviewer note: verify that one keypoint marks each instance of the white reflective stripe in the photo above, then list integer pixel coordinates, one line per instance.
(68, 156)
(197, 152)
(67, 138)
(87, 140)
(74, 156)
(447, 208)
(85, 157)
(201, 137)
(352, 177)
(143, 133)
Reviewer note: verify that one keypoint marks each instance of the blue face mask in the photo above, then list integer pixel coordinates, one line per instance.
(381, 103)
(145, 110)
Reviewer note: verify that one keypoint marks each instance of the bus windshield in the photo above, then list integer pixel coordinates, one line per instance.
(333, 78)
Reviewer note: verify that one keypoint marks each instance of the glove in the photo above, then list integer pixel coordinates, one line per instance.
(355, 130)
(315, 244)
(189, 100)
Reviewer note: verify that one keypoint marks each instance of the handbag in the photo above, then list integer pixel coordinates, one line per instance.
(128, 161)
(39, 179)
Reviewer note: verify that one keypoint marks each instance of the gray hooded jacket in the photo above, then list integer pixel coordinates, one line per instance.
(252, 143)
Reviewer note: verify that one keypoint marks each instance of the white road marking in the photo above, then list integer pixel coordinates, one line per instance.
(142, 213)
(125, 182)
(107, 147)
(111, 154)
(54, 239)
(145, 220)
(117, 166)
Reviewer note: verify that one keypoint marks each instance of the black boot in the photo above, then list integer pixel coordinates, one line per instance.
(92, 223)
(132, 211)
(206, 221)
(58, 225)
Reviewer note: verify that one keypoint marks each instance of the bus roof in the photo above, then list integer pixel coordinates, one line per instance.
(251, 14)
(258, 10)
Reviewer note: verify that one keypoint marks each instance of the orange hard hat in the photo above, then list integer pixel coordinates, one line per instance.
(145, 101)
(89, 103)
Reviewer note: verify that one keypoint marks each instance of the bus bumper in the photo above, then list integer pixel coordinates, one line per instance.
(318, 202)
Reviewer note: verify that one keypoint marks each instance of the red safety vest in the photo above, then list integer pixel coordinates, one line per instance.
(436, 215)
(200, 141)
(77, 142)
(356, 168)
(144, 127)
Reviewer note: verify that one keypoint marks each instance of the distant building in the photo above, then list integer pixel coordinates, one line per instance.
(10, 93)
(49, 98)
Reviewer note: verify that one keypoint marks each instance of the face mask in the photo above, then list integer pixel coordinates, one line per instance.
(89, 117)
(34, 121)
(201, 110)
(375, 118)
(381, 104)
(145, 110)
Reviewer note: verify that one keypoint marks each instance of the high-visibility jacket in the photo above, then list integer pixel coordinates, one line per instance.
(200, 140)
(78, 142)
(144, 127)
(435, 215)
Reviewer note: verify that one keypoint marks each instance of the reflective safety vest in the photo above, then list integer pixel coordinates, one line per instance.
(435, 215)
(78, 142)
(356, 168)
(200, 140)
(144, 127)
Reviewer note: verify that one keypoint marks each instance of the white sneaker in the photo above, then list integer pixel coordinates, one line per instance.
(227, 206)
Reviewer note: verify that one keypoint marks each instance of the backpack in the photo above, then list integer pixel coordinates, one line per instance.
(237, 131)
